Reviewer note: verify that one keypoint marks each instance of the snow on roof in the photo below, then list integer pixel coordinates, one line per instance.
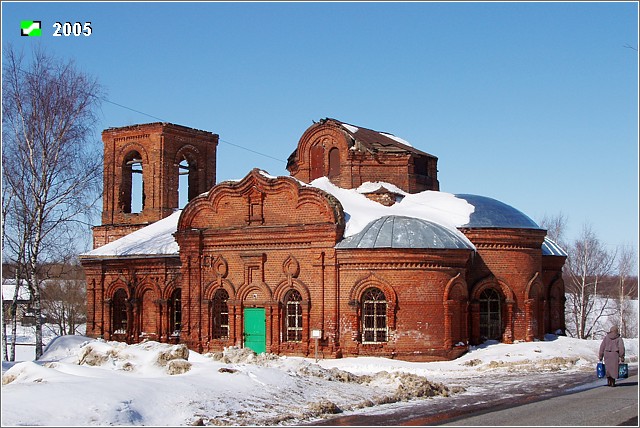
(376, 140)
(398, 139)
(350, 128)
(550, 248)
(438, 207)
(9, 287)
(156, 239)
(370, 186)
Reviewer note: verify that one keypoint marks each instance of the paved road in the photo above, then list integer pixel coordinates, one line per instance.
(598, 406)
(575, 399)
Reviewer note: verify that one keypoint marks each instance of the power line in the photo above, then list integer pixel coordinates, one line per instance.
(164, 120)
(134, 110)
(252, 151)
(222, 141)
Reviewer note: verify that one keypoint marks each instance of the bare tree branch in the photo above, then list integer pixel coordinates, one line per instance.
(51, 163)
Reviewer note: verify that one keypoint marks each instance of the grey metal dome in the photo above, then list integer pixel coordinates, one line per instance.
(404, 232)
(493, 213)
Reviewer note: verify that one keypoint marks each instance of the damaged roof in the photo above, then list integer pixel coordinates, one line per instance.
(370, 140)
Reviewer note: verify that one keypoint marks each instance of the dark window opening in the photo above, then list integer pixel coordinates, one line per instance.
(293, 316)
(119, 314)
(132, 195)
(220, 315)
(175, 312)
(490, 315)
(421, 166)
(374, 316)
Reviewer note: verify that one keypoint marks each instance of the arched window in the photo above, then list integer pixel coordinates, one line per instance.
(187, 180)
(175, 312)
(293, 316)
(334, 162)
(220, 315)
(119, 312)
(132, 196)
(490, 315)
(374, 316)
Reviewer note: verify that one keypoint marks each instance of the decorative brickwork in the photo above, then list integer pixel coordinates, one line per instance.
(262, 251)
(142, 165)
(350, 156)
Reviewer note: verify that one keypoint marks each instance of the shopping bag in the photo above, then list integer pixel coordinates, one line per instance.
(600, 369)
(623, 371)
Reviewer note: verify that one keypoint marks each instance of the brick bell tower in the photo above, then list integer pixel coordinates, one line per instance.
(148, 170)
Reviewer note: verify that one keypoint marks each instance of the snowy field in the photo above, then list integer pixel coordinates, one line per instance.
(86, 382)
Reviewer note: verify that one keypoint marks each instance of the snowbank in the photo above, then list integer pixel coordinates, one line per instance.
(81, 381)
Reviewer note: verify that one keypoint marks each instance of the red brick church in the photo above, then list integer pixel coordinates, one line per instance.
(357, 251)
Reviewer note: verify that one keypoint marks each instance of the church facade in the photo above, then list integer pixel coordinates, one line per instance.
(357, 252)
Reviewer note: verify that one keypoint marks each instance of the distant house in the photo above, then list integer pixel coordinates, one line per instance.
(356, 252)
(23, 310)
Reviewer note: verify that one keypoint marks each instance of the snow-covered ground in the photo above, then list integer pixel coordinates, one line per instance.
(81, 381)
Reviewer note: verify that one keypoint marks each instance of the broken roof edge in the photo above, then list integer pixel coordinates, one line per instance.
(363, 135)
(154, 124)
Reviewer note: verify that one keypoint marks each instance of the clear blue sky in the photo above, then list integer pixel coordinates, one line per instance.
(531, 103)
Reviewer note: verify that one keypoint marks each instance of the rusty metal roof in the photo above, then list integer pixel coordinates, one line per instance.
(376, 141)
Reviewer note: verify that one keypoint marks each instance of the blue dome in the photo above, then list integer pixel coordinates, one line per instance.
(492, 213)
(550, 248)
(404, 232)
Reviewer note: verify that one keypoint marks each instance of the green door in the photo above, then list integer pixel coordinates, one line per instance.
(255, 330)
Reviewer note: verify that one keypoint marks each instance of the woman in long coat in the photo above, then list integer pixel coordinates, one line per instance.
(612, 350)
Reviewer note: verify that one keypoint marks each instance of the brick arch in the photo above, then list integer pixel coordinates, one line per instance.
(196, 180)
(492, 282)
(372, 281)
(556, 290)
(147, 313)
(145, 286)
(328, 136)
(125, 178)
(534, 308)
(132, 147)
(185, 151)
(456, 285)
(211, 288)
(508, 309)
(114, 286)
(455, 301)
(285, 286)
(245, 289)
(169, 289)
(203, 211)
(556, 305)
(535, 283)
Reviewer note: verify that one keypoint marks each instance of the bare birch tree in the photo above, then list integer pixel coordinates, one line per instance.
(51, 162)
(588, 263)
(555, 226)
(626, 317)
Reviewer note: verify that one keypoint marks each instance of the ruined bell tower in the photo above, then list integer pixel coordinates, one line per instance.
(149, 169)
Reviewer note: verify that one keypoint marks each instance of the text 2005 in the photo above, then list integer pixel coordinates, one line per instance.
(72, 29)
